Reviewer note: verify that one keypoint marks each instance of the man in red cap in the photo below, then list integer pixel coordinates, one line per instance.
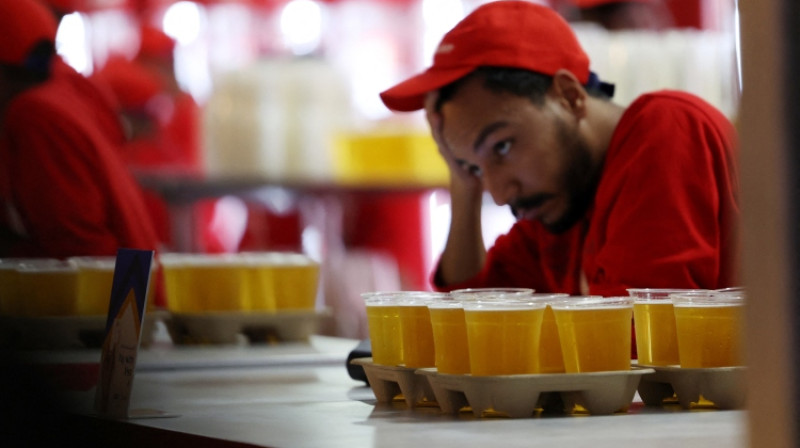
(63, 189)
(607, 198)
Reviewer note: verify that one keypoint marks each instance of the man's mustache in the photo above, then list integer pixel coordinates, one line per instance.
(529, 202)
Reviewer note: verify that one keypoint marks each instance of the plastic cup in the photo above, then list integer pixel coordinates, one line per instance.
(449, 336)
(491, 293)
(95, 278)
(12, 300)
(261, 280)
(503, 335)
(416, 329)
(595, 333)
(383, 320)
(551, 360)
(48, 289)
(199, 283)
(654, 319)
(176, 282)
(296, 280)
(709, 326)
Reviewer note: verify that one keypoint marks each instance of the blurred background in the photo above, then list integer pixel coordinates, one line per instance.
(255, 125)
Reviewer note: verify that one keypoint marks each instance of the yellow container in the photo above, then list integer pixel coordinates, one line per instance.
(595, 333)
(709, 327)
(389, 158)
(449, 326)
(503, 336)
(48, 290)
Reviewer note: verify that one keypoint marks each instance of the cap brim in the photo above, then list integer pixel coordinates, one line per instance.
(409, 95)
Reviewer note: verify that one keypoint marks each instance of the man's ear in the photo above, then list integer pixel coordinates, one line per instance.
(569, 92)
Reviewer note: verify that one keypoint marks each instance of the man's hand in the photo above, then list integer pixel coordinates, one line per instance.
(459, 177)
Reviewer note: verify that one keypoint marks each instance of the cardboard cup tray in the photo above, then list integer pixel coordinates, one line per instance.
(229, 327)
(515, 396)
(64, 332)
(723, 386)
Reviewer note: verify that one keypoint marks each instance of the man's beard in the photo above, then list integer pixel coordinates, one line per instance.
(579, 181)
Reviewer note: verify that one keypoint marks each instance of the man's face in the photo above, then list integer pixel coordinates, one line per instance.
(530, 157)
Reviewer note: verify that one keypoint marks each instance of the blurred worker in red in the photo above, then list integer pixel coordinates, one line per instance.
(64, 191)
(162, 120)
(617, 15)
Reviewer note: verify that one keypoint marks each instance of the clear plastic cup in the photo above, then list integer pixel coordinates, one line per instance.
(595, 333)
(383, 320)
(450, 336)
(709, 327)
(416, 328)
(654, 319)
(492, 293)
(199, 283)
(175, 268)
(12, 300)
(296, 281)
(49, 289)
(551, 360)
(95, 278)
(503, 335)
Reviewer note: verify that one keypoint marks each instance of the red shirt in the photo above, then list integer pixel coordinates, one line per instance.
(64, 191)
(664, 214)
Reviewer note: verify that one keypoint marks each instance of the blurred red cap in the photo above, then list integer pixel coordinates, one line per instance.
(132, 84)
(23, 24)
(155, 43)
(516, 34)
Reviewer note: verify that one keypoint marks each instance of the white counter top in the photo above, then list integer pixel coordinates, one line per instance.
(302, 396)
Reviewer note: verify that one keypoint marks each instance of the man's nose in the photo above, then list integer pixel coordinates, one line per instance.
(502, 187)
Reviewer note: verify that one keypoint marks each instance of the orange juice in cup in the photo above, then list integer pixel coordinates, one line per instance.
(95, 277)
(261, 280)
(503, 335)
(416, 328)
(654, 318)
(449, 336)
(595, 333)
(48, 290)
(383, 319)
(550, 358)
(296, 280)
(709, 327)
(218, 282)
(175, 268)
(491, 293)
(12, 300)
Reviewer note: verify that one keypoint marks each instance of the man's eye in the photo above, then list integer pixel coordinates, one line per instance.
(474, 170)
(502, 148)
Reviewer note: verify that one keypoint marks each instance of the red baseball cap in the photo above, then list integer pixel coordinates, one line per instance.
(507, 33)
(23, 24)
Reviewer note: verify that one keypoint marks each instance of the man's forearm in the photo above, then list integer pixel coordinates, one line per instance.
(464, 253)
